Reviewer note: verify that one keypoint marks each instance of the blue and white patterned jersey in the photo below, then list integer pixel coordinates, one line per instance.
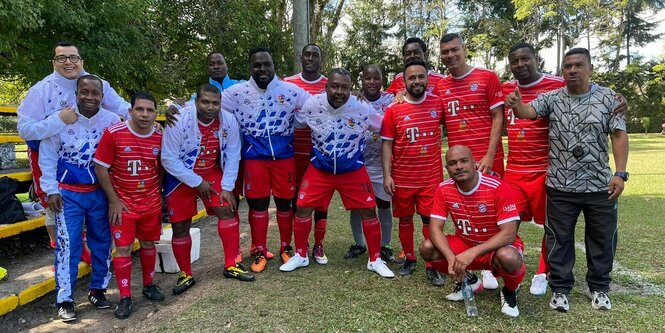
(266, 117)
(373, 141)
(67, 157)
(338, 134)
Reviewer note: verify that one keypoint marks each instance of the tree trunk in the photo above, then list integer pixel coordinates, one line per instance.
(334, 22)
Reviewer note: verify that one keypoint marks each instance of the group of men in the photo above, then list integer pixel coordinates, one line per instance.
(303, 137)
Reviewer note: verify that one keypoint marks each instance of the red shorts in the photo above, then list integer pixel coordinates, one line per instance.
(302, 162)
(407, 201)
(265, 176)
(33, 158)
(354, 187)
(240, 181)
(181, 203)
(529, 194)
(145, 227)
(459, 245)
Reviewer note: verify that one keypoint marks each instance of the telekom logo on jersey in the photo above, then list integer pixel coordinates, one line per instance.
(412, 133)
(453, 107)
(134, 166)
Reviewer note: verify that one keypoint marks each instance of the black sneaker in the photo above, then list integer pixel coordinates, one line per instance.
(153, 293)
(355, 251)
(407, 268)
(98, 299)
(184, 282)
(238, 272)
(387, 254)
(434, 277)
(124, 308)
(66, 311)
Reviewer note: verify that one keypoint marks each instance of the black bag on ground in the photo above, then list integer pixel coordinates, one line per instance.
(11, 209)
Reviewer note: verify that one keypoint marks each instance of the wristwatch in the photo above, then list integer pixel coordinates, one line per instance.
(622, 175)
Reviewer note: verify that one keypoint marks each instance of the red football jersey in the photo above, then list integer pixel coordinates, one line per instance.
(302, 137)
(397, 85)
(467, 101)
(209, 149)
(133, 163)
(478, 213)
(415, 128)
(528, 143)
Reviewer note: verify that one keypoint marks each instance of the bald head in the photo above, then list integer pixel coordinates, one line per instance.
(458, 151)
(461, 166)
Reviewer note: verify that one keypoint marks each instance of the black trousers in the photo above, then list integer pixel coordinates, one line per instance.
(600, 238)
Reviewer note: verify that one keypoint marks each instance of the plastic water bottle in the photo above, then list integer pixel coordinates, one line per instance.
(469, 299)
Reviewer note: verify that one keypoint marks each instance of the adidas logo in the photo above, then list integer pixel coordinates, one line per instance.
(448, 92)
(128, 149)
(455, 205)
(407, 118)
(369, 199)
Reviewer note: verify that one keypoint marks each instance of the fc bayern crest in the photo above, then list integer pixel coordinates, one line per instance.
(482, 207)
(117, 234)
(433, 113)
(474, 86)
(215, 134)
(155, 151)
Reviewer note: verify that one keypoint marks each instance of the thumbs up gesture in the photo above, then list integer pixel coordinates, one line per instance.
(514, 98)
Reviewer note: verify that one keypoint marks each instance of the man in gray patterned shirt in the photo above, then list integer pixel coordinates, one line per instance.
(579, 178)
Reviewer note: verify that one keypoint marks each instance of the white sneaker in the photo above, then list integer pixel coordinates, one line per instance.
(560, 302)
(379, 266)
(539, 285)
(457, 295)
(489, 281)
(294, 263)
(600, 301)
(319, 255)
(506, 308)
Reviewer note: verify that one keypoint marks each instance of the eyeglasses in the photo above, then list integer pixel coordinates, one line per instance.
(62, 59)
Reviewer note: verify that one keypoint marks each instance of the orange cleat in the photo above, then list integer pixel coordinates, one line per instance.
(252, 250)
(259, 263)
(286, 254)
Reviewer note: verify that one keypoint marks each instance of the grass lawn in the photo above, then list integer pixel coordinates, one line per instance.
(344, 297)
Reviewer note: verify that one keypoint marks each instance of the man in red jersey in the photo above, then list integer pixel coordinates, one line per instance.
(200, 154)
(411, 134)
(473, 112)
(528, 147)
(414, 49)
(486, 220)
(313, 82)
(128, 170)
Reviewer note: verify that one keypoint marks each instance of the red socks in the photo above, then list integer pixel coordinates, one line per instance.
(148, 257)
(406, 237)
(258, 222)
(512, 280)
(542, 266)
(285, 224)
(320, 227)
(122, 267)
(372, 231)
(229, 233)
(182, 248)
(302, 226)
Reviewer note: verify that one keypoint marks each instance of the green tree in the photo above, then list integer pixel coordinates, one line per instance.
(646, 122)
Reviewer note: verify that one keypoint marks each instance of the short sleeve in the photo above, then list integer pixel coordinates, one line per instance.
(439, 209)
(616, 122)
(388, 130)
(506, 209)
(494, 92)
(542, 105)
(105, 154)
